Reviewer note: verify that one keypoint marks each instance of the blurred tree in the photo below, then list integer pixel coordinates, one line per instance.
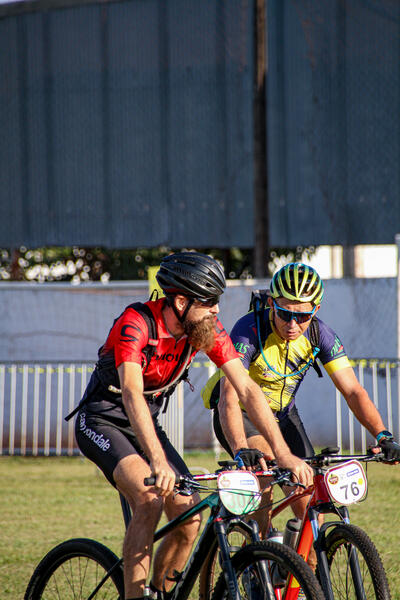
(78, 264)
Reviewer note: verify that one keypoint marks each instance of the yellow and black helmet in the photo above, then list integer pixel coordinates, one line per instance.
(298, 282)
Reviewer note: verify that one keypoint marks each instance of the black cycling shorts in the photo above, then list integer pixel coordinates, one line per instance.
(291, 427)
(106, 442)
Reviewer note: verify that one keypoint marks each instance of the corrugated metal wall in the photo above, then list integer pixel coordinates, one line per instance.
(127, 124)
(131, 123)
(334, 121)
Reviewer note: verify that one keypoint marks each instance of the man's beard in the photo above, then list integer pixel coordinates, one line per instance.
(201, 334)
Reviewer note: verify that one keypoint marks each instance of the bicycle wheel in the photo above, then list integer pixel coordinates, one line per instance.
(74, 569)
(249, 564)
(237, 537)
(345, 545)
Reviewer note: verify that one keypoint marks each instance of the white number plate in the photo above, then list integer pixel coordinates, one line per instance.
(239, 491)
(346, 483)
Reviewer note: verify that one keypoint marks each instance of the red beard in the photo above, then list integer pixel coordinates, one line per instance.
(201, 334)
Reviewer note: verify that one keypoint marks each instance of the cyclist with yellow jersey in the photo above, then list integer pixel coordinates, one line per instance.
(278, 347)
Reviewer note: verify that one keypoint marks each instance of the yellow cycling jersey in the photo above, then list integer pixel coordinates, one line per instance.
(287, 362)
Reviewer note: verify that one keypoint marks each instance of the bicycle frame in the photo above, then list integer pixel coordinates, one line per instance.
(312, 533)
(216, 526)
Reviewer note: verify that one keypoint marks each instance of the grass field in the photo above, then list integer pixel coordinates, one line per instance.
(47, 500)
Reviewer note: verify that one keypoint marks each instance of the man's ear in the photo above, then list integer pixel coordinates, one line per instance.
(270, 302)
(180, 302)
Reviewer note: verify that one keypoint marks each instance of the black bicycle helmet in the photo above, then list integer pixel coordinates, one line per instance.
(191, 274)
(298, 282)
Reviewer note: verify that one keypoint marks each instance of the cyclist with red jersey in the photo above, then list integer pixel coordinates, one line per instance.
(117, 425)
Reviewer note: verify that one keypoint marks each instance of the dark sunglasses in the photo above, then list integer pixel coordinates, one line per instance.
(208, 301)
(288, 315)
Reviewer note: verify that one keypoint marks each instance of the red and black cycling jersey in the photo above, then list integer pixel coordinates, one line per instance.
(128, 339)
(129, 335)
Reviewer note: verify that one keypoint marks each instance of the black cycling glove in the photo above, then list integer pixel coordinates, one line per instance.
(390, 448)
(248, 457)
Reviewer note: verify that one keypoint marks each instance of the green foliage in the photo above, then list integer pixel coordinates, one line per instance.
(78, 264)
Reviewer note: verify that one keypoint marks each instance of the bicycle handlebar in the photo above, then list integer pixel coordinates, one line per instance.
(181, 480)
(195, 481)
(329, 457)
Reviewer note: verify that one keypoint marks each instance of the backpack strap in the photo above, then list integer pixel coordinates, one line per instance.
(258, 304)
(149, 351)
(315, 340)
(103, 366)
(150, 348)
(173, 380)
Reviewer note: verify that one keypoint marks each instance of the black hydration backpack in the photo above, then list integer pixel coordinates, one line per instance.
(107, 376)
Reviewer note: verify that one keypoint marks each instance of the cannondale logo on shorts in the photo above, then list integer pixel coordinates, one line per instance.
(97, 438)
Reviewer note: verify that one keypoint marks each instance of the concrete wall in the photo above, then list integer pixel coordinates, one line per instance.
(60, 322)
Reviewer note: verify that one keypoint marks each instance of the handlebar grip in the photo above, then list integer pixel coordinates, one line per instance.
(148, 481)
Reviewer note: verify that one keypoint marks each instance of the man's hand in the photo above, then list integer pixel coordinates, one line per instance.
(302, 472)
(250, 457)
(391, 450)
(165, 477)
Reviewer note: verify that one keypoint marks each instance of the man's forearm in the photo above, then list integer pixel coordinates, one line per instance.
(230, 417)
(365, 411)
(259, 413)
(263, 418)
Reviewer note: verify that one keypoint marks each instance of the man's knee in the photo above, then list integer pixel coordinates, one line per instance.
(178, 505)
(187, 532)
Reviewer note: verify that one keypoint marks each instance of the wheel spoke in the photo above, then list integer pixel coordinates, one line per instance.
(73, 570)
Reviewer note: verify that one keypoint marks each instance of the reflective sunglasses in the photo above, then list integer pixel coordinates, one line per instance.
(208, 301)
(288, 315)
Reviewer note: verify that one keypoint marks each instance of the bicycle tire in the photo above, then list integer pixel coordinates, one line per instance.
(270, 553)
(374, 581)
(73, 569)
(211, 569)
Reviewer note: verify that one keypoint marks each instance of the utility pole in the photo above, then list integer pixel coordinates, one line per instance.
(261, 221)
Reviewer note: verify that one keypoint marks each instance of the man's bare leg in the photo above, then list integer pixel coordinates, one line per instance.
(146, 511)
(263, 516)
(299, 507)
(175, 548)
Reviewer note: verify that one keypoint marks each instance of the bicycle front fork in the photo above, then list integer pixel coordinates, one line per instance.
(221, 531)
(319, 534)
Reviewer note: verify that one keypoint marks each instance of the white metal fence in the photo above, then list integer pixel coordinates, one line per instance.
(35, 398)
(384, 376)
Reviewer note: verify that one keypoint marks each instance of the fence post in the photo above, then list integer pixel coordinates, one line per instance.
(397, 242)
(71, 404)
(215, 443)
(60, 404)
(36, 393)
(363, 430)
(24, 407)
(2, 393)
(13, 399)
(338, 422)
(47, 410)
